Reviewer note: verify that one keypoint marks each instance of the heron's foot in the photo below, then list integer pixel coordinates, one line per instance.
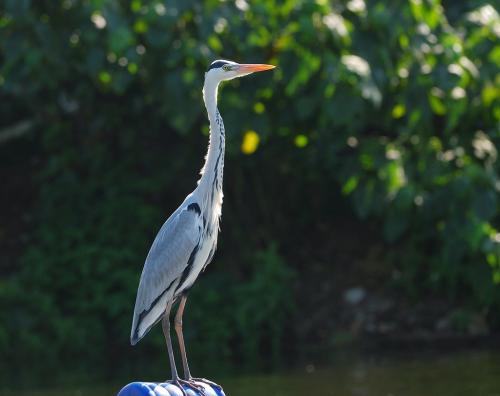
(193, 385)
(178, 384)
(208, 382)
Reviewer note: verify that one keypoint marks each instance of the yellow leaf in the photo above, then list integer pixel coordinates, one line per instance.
(250, 142)
(301, 141)
(398, 111)
(259, 107)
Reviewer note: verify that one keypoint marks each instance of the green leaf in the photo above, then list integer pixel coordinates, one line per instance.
(350, 185)
(437, 105)
(120, 39)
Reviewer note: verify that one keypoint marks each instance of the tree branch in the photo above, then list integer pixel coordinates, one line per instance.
(15, 131)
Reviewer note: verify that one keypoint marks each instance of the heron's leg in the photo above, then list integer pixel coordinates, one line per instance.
(180, 336)
(178, 329)
(175, 377)
(165, 325)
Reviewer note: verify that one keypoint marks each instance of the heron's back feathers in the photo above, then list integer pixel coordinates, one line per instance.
(163, 270)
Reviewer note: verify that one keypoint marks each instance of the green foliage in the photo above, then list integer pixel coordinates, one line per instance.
(246, 319)
(396, 107)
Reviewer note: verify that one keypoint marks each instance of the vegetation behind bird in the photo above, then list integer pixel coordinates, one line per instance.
(370, 155)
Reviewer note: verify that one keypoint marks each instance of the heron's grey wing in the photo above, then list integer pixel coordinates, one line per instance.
(177, 239)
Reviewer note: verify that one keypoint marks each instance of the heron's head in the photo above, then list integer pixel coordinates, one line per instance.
(222, 70)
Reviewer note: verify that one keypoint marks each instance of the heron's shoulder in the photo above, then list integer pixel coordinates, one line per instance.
(193, 202)
(188, 211)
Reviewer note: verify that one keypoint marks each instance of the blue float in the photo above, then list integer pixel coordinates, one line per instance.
(168, 389)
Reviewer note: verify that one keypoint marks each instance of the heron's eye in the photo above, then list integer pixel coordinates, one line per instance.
(226, 68)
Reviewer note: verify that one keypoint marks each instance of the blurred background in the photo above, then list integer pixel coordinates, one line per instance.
(360, 244)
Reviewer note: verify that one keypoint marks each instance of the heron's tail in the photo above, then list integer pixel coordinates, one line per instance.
(143, 321)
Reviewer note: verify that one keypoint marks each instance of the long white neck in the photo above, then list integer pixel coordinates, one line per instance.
(210, 184)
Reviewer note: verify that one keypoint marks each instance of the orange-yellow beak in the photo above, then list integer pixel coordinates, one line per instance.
(252, 68)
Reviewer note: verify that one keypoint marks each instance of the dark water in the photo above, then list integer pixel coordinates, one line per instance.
(466, 373)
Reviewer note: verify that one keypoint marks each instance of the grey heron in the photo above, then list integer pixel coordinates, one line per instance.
(186, 242)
